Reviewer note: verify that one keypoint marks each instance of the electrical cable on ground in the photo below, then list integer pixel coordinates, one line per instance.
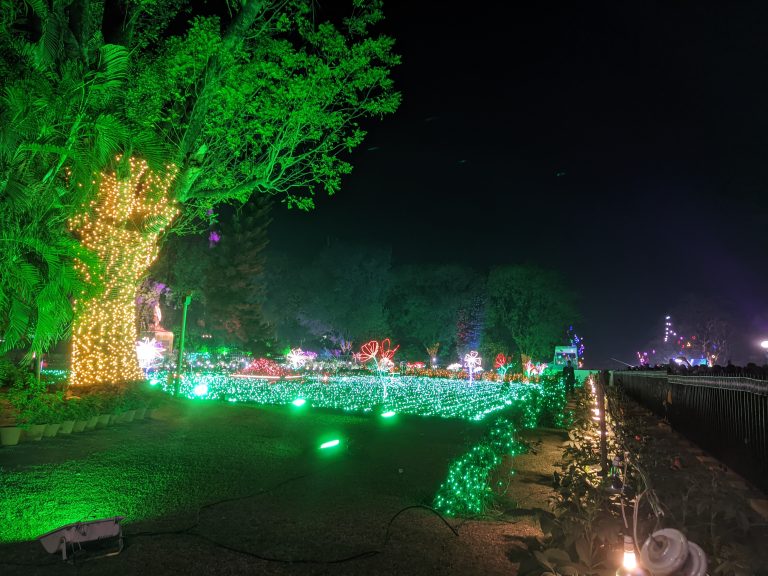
(189, 531)
(359, 556)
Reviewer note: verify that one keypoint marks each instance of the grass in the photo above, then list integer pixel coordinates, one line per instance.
(206, 451)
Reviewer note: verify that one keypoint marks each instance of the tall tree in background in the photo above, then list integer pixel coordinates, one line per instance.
(287, 288)
(706, 329)
(532, 306)
(263, 102)
(470, 324)
(423, 306)
(336, 296)
(346, 291)
(234, 287)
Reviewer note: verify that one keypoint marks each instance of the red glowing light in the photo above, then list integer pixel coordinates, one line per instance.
(266, 367)
(386, 352)
(500, 361)
(370, 350)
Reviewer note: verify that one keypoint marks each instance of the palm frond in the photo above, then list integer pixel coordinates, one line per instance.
(17, 324)
(151, 148)
(111, 135)
(113, 65)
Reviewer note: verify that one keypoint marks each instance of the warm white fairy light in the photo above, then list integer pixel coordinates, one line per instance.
(121, 226)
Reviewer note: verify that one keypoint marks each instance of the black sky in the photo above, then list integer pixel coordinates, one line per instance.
(622, 143)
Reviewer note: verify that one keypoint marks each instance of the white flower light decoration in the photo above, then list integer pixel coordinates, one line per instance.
(472, 360)
(297, 358)
(148, 351)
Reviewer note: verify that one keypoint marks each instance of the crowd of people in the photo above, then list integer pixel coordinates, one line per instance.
(751, 370)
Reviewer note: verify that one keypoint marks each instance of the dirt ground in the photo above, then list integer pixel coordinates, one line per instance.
(715, 507)
(302, 510)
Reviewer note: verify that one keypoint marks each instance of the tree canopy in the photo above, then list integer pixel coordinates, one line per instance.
(530, 305)
(424, 304)
(265, 97)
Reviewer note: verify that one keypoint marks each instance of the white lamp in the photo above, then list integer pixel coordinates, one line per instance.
(74, 535)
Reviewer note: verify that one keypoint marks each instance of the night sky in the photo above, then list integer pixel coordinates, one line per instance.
(624, 144)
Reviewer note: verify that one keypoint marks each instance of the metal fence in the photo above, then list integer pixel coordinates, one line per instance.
(726, 416)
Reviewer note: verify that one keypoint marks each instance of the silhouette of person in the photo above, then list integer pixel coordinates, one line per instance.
(569, 376)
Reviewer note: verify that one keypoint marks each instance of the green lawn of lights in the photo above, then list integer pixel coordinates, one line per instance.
(420, 396)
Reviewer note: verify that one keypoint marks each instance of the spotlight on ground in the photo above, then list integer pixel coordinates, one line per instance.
(387, 414)
(329, 444)
(70, 538)
(299, 402)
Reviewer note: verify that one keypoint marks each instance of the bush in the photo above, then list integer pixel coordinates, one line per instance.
(32, 403)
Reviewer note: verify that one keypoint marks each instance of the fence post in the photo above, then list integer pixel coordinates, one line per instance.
(601, 386)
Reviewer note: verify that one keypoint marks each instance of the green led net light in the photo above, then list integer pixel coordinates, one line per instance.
(467, 490)
(415, 395)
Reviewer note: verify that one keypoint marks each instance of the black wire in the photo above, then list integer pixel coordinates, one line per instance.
(359, 556)
(222, 501)
(188, 531)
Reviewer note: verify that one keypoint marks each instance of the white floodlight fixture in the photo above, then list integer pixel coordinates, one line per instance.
(73, 536)
(764, 344)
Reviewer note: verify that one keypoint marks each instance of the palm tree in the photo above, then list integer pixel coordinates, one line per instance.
(54, 129)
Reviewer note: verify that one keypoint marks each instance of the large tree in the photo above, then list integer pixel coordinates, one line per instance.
(223, 270)
(263, 100)
(532, 306)
(424, 305)
(234, 287)
(340, 295)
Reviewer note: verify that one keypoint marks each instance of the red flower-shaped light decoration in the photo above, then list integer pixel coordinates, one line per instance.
(386, 352)
(378, 352)
(500, 361)
(368, 350)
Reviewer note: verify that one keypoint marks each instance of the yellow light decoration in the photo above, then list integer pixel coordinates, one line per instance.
(122, 226)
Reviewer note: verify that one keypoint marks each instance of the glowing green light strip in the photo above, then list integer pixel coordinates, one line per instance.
(414, 395)
(329, 444)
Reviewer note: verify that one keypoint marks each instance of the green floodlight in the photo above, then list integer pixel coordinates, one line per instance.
(388, 414)
(329, 444)
(299, 402)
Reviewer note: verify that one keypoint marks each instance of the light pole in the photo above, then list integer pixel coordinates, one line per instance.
(764, 346)
(180, 364)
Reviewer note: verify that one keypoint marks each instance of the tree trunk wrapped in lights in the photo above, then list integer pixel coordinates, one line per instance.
(122, 226)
